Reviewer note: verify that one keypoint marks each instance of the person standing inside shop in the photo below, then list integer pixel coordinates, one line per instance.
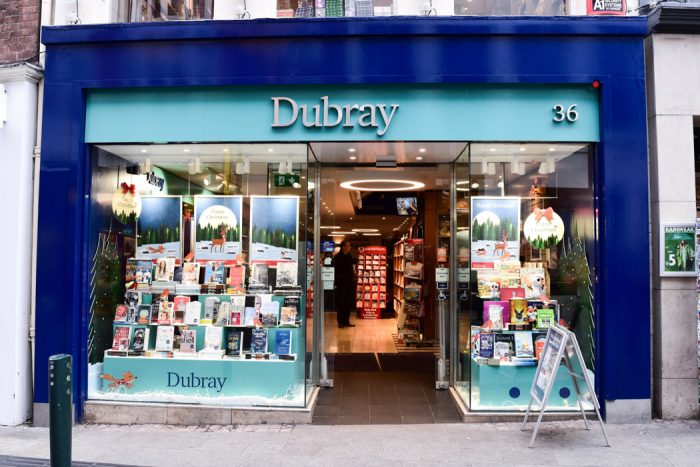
(344, 285)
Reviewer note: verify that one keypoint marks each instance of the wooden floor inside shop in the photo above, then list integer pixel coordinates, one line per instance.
(368, 335)
(384, 397)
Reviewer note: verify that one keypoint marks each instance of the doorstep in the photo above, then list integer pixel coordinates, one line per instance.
(138, 413)
(514, 417)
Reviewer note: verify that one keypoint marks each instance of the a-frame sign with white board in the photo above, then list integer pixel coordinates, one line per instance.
(562, 343)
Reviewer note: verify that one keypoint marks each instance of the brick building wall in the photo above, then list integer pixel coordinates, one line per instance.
(19, 30)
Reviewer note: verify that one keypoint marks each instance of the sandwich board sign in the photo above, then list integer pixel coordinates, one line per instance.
(562, 343)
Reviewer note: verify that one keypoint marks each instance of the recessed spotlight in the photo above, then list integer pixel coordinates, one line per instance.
(351, 218)
(486, 186)
(144, 150)
(422, 149)
(352, 150)
(523, 149)
(353, 158)
(419, 158)
(552, 149)
(226, 149)
(492, 149)
(383, 218)
(186, 150)
(270, 150)
(475, 185)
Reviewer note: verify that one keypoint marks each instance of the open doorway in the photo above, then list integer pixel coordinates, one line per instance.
(390, 203)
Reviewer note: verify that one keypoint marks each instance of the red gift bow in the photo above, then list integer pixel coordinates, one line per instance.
(128, 188)
(546, 213)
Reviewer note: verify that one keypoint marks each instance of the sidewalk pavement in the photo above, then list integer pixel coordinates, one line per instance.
(558, 443)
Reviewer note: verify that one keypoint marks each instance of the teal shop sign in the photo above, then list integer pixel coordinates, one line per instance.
(474, 112)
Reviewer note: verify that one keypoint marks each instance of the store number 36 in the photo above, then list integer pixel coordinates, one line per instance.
(561, 113)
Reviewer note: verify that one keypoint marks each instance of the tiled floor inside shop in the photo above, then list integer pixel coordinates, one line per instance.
(384, 397)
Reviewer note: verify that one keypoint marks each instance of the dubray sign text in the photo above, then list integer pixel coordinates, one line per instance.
(327, 115)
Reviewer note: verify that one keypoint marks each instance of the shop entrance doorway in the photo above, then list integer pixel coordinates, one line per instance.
(380, 321)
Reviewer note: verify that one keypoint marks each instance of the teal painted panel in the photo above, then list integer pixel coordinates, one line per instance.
(205, 378)
(425, 113)
(509, 386)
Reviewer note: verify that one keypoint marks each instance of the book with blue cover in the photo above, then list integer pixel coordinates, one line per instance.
(283, 342)
(258, 343)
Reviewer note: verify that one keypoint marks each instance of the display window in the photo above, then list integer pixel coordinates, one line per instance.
(526, 242)
(197, 275)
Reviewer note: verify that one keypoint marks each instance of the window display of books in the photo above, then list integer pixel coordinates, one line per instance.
(371, 282)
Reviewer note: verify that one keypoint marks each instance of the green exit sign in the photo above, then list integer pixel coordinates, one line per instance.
(291, 180)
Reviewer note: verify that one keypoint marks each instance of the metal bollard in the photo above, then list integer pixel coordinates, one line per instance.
(60, 416)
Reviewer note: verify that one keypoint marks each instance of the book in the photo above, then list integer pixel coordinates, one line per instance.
(237, 310)
(130, 271)
(165, 312)
(120, 314)
(269, 313)
(188, 341)
(249, 316)
(496, 314)
(488, 284)
(413, 270)
(164, 338)
(236, 279)
(122, 338)
(288, 316)
(180, 308)
(139, 342)
(193, 312)
(286, 274)
(523, 345)
(211, 305)
(283, 341)
(545, 318)
(164, 270)
(486, 341)
(412, 292)
(132, 298)
(534, 282)
(144, 273)
(212, 339)
(190, 273)
(234, 344)
(258, 344)
(258, 275)
(518, 311)
(223, 314)
(504, 346)
(144, 314)
(540, 340)
(214, 272)
(514, 292)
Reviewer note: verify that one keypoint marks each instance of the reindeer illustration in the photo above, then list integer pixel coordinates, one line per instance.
(502, 246)
(220, 242)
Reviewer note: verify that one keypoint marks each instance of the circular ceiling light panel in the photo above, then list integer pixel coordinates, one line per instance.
(342, 233)
(365, 230)
(382, 185)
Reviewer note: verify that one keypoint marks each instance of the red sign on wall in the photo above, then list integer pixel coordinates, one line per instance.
(606, 7)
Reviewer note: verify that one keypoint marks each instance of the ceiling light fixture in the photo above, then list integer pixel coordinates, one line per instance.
(475, 185)
(382, 185)
(365, 230)
(353, 158)
(191, 168)
(517, 167)
(340, 232)
(422, 150)
(144, 151)
(523, 149)
(419, 158)
(270, 150)
(487, 168)
(492, 149)
(186, 150)
(197, 164)
(330, 227)
(352, 150)
(552, 149)
(371, 234)
(226, 150)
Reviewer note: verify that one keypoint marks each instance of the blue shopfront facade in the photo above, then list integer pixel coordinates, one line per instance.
(91, 64)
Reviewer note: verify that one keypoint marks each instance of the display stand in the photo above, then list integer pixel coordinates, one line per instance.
(561, 343)
(371, 282)
(408, 294)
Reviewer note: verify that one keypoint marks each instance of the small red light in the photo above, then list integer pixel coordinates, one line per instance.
(595, 84)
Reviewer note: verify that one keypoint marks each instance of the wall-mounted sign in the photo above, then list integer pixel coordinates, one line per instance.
(677, 250)
(154, 180)
(606, 7)
(328, 115)
(543, 228)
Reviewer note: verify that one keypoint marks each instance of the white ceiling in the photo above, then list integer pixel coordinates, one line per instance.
(402, 152)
